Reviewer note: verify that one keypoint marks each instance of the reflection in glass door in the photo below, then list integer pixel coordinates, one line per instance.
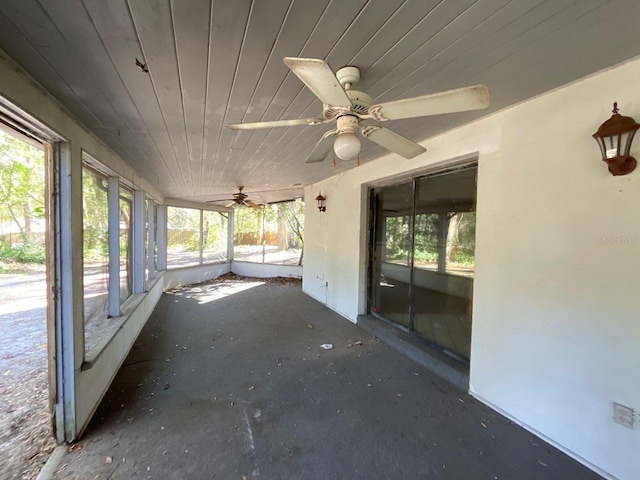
(391, 256)
(424, 255)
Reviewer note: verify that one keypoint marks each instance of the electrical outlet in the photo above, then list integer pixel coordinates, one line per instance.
(623, 415)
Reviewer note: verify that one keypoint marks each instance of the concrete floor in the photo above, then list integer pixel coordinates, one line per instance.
(228, 380)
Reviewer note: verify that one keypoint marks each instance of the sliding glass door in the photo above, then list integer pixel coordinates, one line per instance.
(423, 257)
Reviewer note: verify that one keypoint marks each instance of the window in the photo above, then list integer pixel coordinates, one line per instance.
(196, 236)
(155, 239)
(126, 243)
(145, 236)
(214, 236)
(95, 246)
(183, 237)
(112, 218)
(271, 234)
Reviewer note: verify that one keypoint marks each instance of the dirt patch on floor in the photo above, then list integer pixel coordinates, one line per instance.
(232, 277)
(25, 430)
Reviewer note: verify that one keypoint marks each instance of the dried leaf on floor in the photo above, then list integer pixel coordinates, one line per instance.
(76, 447)
(542, 463)
(108, 460)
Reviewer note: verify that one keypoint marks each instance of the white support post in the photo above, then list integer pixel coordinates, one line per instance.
(151, 235)
(138, 241)
(201, 235)
(162, 237)
(230, 236)
(113, 196)
(263, 234)
(66, 295)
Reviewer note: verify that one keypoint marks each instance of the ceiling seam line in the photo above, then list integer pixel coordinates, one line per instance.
(181, 88)
(71, 92)
(124, 85)
(253, 93)
(206, 90)
(448, 46)
(429, 13)
(53, 23)
(476, 2)
(155, 92)
(313, 30)
(226, 109)
(470, 49)
(479, 60)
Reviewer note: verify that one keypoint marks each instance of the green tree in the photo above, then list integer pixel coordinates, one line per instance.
(95, 216)
(21, 184)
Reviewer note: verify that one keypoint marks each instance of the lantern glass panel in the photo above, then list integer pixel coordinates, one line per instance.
(625, 141)
(611, 146)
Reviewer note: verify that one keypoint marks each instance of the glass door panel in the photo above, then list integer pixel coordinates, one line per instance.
(392, 253)
(444, 248)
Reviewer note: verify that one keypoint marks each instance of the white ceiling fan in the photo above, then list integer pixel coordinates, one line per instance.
(348, 108)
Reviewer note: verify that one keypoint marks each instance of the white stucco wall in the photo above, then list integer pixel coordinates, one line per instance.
(556, 327)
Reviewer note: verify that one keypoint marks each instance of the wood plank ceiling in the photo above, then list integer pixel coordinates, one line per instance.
(217, 62)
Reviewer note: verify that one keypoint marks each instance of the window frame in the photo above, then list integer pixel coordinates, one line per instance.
(200, 209)
(119, 308)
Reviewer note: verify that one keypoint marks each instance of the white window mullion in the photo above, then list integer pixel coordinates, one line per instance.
(230, 236)
(161, 241)
(201, 237)
(113, 196)
(151, 230)
(138, 241)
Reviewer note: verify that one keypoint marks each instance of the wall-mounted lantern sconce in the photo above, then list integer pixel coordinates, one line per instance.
(614, 138)
(320, 201)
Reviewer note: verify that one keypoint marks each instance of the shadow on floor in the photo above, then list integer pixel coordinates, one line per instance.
(228, 381)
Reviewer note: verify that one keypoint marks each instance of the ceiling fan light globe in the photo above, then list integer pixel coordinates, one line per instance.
(346, 146)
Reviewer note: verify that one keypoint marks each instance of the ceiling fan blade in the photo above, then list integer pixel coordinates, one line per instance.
(392, 141)
(276, 123)
(317, 75)
(322, 148)
(230, 204)
(458, 100)
(251, 204)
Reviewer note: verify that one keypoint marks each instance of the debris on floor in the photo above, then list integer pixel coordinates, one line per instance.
(327, 346)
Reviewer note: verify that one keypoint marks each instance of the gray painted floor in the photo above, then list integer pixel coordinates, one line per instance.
(228, 381)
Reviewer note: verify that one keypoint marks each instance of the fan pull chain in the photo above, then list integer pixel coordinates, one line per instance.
(333, 164)
(358, 161)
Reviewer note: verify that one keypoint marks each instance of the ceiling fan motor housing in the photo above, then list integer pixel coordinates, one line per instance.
(360, 103)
